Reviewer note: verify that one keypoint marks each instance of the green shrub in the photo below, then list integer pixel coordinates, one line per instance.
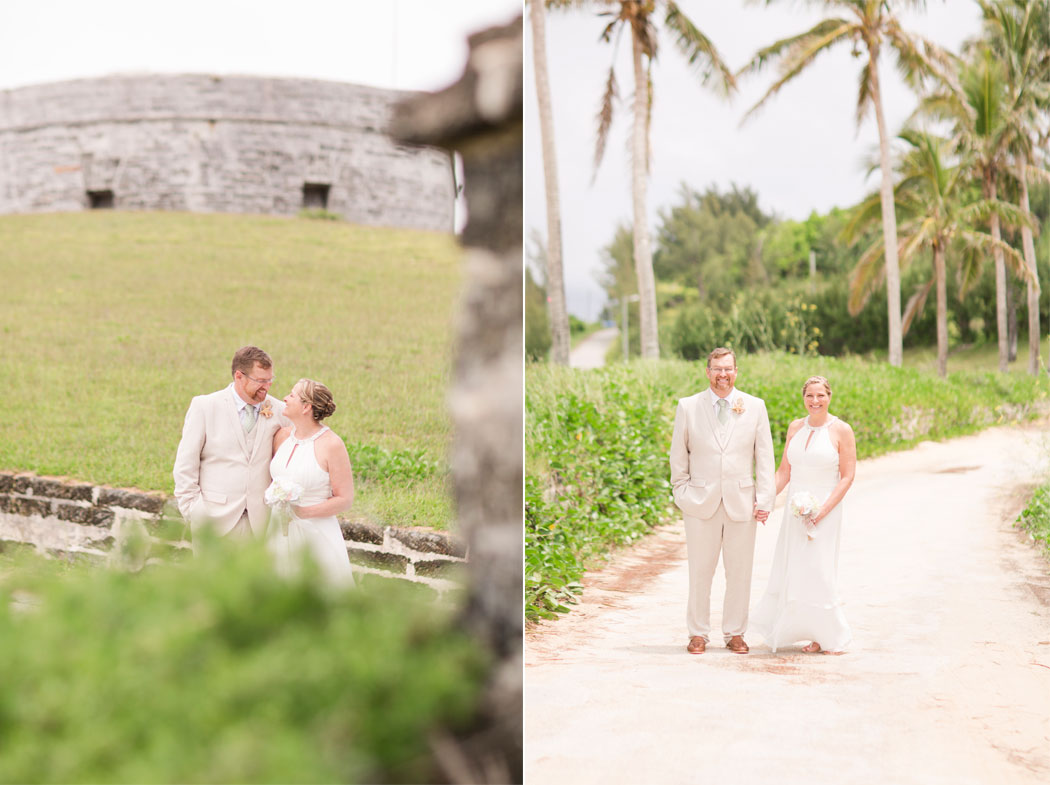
(596, 442)
(217, 671)
(1035, 517)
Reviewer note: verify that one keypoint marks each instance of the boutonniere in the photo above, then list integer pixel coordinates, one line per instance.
(738, 406)
(266, 410)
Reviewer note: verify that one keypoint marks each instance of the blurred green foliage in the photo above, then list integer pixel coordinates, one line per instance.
(597, 442)
(217, 671)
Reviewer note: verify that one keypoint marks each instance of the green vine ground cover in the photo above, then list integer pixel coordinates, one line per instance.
(111, 321)
(596, 442)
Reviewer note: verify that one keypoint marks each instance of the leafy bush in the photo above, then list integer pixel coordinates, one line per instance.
(216, 671)
(1035, 517)
(537, 323)
(596, 447)
(754, 322)
(597, 442)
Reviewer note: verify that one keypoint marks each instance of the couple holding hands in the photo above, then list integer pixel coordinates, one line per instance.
(723, 479)
(249, 465)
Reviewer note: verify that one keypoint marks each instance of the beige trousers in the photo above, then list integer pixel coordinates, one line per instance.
(241, 531)
(705, 539)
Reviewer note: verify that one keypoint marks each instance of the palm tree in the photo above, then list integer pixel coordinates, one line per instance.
(639, 17)
(557, 310)
(979, 107)
(937, 214)
(1017, 32)
(869, 26)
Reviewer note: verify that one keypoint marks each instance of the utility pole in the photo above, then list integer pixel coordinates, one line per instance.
(630, 298)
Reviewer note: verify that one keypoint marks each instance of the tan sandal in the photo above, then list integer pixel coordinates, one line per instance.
(812, 648)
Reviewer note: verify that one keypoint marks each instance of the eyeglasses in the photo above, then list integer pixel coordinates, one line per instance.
(263, 382)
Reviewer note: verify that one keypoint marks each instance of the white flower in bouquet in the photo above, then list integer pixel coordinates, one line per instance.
(804, 505)
(281, 495)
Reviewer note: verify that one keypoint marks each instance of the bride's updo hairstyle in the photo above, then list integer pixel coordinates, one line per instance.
(318, 396)
(817, 380)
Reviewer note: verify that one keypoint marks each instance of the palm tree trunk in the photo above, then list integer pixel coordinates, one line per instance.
(1034, 337)
(1000, 282)
(559, 317)
(643, 258)
(889, 223)
(942, 311)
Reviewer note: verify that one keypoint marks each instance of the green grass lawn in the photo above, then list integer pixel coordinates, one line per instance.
(112, 321)
(979, 358)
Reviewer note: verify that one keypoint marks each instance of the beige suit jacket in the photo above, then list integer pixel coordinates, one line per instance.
(734, 465)
(220, 471)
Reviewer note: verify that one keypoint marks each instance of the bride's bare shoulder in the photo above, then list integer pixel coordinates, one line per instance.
(842, 426)
(279, 436)
(795, 425)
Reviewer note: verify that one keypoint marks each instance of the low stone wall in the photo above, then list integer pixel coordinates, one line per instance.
(70, 519)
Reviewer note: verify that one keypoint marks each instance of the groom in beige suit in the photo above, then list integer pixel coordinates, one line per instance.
(222, 467)
(722, 473)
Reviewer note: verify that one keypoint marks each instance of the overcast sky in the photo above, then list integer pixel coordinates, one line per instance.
(803, 152)
(403, 44)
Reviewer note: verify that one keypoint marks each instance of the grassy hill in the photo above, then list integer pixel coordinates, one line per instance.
(112, 321)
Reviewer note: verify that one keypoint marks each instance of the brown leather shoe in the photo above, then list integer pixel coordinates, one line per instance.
(737, 646)
(697, 645)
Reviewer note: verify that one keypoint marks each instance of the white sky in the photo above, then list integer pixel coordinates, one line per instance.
(801, 153)
(403, 44)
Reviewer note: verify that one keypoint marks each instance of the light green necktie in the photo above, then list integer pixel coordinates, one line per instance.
(249, 418)
(723, 411)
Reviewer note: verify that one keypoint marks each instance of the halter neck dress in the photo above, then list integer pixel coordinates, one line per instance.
(801, 602)
(321, 538)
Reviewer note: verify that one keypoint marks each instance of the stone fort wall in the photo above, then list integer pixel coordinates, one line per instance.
(235, 144)
(72, 520)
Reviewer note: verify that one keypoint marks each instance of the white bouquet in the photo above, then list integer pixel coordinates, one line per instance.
(281, 495)
(804, 505)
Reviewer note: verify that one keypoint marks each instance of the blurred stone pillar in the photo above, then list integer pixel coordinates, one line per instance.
(480, 117)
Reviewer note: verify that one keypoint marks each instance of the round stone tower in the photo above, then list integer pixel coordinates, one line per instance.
(234, 144)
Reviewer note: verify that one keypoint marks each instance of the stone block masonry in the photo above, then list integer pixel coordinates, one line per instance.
(79, 520)
(233, 144)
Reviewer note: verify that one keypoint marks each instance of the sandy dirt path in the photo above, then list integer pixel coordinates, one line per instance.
(947, 681)
(591, 351)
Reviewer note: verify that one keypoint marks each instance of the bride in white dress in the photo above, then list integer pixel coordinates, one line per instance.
(310, 455)
(802, 601)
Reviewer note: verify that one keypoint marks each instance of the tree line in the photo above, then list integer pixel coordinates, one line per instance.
(968, 161)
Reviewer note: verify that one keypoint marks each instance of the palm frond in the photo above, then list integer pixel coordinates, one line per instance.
(864, 93)
(865, 215)
(969, 271)
(866, 277)
(981, 210)
(699, 50)
(1036, 174)
(605, 118)
(800, 51)
(916, 304)
(985, 243)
